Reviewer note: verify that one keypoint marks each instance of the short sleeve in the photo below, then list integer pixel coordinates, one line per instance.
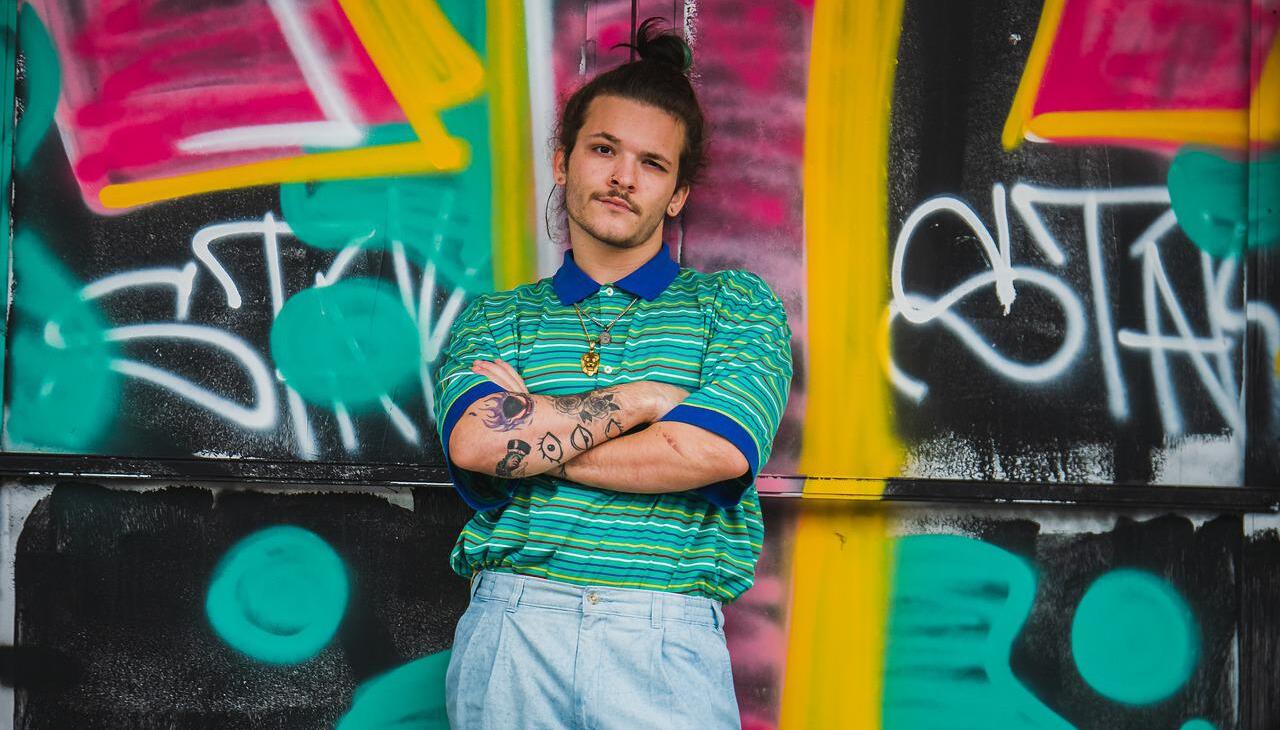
(746, 376)
(456, 388)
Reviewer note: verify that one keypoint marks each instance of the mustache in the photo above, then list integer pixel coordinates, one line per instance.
(621, 197)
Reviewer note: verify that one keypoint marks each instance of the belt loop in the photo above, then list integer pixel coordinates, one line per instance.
(655, 610)
(717, 615)
(475, 583)
(514, 601)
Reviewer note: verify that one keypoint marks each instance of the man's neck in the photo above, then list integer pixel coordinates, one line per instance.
(607, 264)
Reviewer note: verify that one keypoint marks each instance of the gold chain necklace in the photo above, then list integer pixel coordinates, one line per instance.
(591, 358)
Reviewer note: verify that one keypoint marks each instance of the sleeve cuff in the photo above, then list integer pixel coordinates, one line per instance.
(480, 491)
(723, 494)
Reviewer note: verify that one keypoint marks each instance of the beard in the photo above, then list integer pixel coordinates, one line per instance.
(578, 209)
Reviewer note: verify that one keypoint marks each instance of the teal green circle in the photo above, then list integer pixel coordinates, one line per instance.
(1133, 637)
(278, 595)
(351, 342)
(1198, 724)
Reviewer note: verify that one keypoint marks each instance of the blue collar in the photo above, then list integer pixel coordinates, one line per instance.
(572, 284)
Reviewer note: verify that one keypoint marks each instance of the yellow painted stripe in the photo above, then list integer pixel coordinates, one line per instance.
(513, 242)
(848, 428)
(1015, 126)
(839, 607)
(408, 158)
(1217, 127)
(837, 618)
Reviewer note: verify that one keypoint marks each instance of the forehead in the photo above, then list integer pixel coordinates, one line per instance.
(643, 127)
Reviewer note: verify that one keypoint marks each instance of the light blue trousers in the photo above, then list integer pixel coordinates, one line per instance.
(534, 653)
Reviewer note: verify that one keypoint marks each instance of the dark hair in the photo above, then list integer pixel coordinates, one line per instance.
(658, 78)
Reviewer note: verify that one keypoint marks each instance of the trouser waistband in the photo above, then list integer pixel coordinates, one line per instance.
(657, 606)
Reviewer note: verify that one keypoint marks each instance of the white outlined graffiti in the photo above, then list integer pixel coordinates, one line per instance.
(1227, 325)
(262, 412)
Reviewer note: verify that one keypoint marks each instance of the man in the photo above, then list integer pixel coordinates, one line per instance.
(607, 424)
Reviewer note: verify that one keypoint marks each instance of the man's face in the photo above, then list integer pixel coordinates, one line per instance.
(621, 177)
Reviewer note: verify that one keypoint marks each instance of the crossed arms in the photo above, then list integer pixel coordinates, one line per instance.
(584, 437)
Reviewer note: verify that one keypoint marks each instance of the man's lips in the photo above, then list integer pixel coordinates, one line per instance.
(616, 203)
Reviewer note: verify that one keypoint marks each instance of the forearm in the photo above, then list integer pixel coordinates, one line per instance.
(666, 457)
(512, 434)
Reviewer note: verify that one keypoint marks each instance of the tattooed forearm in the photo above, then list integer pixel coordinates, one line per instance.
(526, 434)
(587, 407)
(513, 462)
(507, 411)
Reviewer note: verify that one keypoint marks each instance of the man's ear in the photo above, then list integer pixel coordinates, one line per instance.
(677, 201)
(558, 162)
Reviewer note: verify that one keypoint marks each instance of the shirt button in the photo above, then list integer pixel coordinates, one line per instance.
(608, 370)
(593, 598)
(608, 291)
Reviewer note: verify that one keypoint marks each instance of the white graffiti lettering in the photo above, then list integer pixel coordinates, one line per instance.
(1210, 357)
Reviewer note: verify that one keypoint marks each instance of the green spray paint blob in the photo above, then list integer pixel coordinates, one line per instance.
(63, 393)
(1133, 637)
(1225, 206)
(409, 697)
(957, 604)
(278, 595)
(351, 343)
(1198, 724)
(43, 82)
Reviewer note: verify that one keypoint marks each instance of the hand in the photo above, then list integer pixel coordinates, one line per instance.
(501, 373)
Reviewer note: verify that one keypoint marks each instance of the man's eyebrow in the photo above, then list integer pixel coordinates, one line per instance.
(610, 138)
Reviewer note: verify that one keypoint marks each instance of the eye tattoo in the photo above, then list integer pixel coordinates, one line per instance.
(613, 428)
(514, 460)
(550, 448)
(581, 438)
(508, 411)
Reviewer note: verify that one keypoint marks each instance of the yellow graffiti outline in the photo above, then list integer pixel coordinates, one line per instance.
(1015, 126)
(1218, 127)
(427, 66)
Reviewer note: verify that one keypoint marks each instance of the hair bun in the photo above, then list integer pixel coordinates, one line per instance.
(665, 47)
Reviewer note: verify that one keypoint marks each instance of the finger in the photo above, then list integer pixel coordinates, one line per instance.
(498, 377)
(512, 373)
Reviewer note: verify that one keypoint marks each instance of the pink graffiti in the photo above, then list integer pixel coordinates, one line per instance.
(152, 89)
(1118, 55)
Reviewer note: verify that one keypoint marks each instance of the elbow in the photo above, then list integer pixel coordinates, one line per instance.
(711, 455)
(462, 450)
(734, 462)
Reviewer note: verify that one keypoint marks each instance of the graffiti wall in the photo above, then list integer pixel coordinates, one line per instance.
(243, 230)
(1027, 474)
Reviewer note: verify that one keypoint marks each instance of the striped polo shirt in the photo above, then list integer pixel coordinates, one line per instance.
(722, 336)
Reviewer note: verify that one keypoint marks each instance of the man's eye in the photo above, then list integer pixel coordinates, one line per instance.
(603, 149)
(655, 165)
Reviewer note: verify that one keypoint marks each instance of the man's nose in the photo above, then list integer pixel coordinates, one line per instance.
(623, 175)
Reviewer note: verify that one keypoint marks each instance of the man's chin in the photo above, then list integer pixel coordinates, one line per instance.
(614, 239)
